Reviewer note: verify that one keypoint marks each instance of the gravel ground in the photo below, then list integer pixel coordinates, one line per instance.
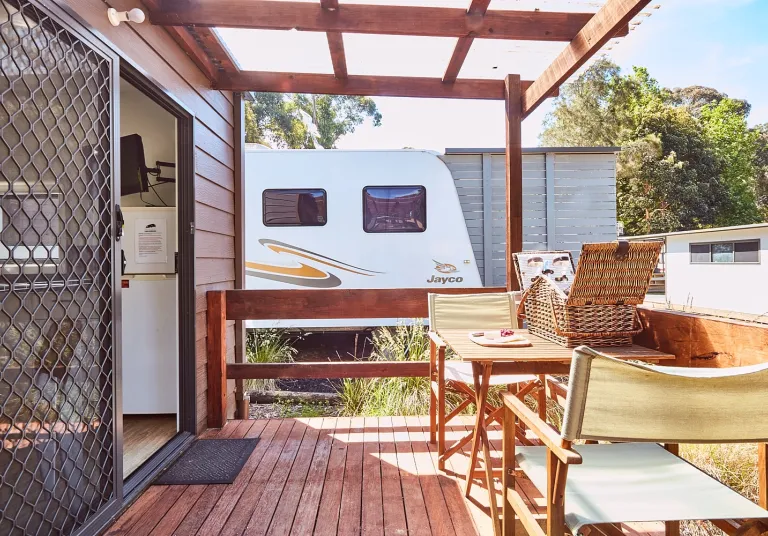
(283, 410)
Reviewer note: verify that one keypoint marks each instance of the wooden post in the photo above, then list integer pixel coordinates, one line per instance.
(762, 474)
(241, 411)
(555, 495)
(217, 358)
(514, 165)
(508, 472)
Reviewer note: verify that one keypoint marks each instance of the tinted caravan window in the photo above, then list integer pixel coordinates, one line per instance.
(295, 207)
(394, 209)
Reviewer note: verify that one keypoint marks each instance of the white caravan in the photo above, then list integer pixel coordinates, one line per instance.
(319, 219)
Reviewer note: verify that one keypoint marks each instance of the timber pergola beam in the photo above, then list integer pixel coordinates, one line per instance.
(370, 19)
(381, 86)
(203, 46)
(602, 27)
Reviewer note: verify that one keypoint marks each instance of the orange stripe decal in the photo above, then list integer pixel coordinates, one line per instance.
(280, 249)
(300, 271)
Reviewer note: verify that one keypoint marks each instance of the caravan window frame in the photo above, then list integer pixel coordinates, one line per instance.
(289, 190)
(395, 231)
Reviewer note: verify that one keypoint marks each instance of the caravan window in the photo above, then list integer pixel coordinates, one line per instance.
(394, 209)
(295, 207)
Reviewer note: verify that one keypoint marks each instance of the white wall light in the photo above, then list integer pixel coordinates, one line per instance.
(116, 17)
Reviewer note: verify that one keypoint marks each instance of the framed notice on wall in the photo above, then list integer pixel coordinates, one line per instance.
(151, 241)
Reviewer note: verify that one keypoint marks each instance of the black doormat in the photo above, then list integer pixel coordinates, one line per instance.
(209, 461)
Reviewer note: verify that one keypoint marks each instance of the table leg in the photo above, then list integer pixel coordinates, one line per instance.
(482, 375)
(541, 400)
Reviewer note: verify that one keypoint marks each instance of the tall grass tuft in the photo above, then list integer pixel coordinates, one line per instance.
(391, 396)
(269, 345)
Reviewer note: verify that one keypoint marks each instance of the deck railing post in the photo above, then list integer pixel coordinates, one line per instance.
(217, 358)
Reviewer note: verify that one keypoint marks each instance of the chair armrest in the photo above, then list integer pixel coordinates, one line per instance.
(542, 430)
(435, 338)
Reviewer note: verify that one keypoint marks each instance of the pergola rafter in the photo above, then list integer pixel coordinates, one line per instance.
(602, 27)
(190, 22)
(335, 43)
(477, 8)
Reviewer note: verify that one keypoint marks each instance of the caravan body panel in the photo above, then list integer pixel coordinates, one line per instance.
(339, 253)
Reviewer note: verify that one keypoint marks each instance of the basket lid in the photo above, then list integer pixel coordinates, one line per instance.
(614, 273)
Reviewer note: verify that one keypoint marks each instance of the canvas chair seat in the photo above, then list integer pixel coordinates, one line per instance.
(460, 371)
(636, 482)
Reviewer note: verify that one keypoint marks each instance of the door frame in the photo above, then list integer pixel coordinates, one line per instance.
(65, 18)
(185, 207)
(123, 67)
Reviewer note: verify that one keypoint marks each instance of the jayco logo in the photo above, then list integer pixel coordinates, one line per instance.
(444, 280)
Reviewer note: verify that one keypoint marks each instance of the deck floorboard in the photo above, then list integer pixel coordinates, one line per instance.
(373, 476)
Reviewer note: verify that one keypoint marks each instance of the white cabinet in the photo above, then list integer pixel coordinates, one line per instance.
(150, 350)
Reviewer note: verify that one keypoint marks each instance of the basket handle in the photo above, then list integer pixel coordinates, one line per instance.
(562, 333)
(520, 312)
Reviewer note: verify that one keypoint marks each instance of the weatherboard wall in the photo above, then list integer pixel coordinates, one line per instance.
(569, 198)
(152, 50)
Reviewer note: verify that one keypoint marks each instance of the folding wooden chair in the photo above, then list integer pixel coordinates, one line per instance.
(470, 311)
(597, 486)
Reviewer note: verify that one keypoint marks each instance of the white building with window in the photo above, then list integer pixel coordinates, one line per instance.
(719, 271)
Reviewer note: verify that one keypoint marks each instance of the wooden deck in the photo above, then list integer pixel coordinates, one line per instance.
(326, 476)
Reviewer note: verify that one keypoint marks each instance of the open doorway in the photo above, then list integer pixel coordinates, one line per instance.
(149, 276)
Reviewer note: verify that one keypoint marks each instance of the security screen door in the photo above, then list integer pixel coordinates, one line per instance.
(58, 332)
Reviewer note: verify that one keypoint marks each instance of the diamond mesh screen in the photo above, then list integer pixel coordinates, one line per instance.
(56, 356)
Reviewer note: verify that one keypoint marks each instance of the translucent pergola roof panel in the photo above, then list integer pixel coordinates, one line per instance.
(397, 55)
(575, 6)
(278, 50)
(492, 58)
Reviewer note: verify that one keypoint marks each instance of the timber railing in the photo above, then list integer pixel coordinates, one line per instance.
(695, 340)
(226, 305)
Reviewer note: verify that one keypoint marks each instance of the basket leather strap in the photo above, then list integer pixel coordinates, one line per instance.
(622, 250)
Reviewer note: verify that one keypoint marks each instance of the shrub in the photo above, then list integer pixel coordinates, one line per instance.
(269, 345)
(391, 396)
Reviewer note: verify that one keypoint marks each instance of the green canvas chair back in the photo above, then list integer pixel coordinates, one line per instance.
(472, 311)
(612, 400)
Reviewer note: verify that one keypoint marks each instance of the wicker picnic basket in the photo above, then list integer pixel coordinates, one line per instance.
(600, 308)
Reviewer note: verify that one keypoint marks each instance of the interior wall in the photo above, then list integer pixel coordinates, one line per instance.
(141, 115)
(157, 55)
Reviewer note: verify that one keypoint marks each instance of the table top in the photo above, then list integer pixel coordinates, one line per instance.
(541, 349)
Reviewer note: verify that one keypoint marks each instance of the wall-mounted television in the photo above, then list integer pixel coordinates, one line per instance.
(133, 168)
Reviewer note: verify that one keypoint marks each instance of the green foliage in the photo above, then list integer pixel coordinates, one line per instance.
(726, 130)
(270, 345)
(391, 396)
(688, 159)
(273, 118)
(761, 168)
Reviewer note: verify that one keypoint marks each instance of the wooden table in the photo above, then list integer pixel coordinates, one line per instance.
(542, 357)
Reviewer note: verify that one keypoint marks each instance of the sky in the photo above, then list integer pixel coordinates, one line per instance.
(717, 43)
